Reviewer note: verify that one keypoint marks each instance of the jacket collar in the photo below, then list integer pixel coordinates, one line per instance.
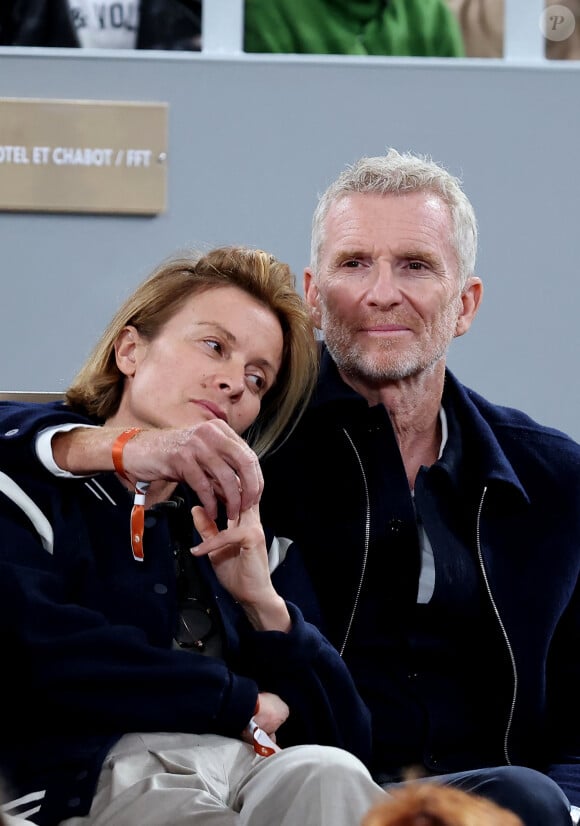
(330, 387)
(468, 426)
(476, 429)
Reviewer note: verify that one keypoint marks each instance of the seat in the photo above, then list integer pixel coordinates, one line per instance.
(31, 395)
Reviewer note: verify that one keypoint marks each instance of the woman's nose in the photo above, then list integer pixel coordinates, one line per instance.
(232, 382)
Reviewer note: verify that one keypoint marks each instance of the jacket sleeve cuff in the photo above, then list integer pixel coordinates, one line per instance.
(43, 447)
(297, 647)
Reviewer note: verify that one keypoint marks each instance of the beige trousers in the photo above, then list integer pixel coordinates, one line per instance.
(208, 780)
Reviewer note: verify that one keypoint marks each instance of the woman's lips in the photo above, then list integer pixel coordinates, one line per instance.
(214, 409)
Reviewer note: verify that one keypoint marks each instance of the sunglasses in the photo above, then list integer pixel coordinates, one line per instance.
(195, 625)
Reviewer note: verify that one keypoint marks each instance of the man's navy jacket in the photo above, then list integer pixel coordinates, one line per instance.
(487, 672)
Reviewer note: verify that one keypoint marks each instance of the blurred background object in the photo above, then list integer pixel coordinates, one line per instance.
(430, 804)
(108, 24)
(482, 25)
(355, 27)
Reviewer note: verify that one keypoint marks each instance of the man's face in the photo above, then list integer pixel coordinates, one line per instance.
(215, 358)
(387, 295)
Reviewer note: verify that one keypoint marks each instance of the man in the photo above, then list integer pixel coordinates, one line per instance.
(442, 532)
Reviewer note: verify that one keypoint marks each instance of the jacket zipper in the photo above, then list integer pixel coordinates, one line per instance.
(485, 579)
(502, 629)
(366, 542)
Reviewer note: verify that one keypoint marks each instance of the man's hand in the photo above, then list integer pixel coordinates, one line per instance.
(210, 457)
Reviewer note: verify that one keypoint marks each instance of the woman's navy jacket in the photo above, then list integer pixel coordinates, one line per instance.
(86, 635)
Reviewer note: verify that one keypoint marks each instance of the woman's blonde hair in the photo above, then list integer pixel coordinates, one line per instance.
(98, 386)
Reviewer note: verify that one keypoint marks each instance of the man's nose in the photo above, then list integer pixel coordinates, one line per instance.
(384, 288)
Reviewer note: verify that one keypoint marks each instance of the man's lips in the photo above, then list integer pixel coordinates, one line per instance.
(213, 408)
(382, 329)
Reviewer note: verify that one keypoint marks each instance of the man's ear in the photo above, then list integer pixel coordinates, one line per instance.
(312, 296)
(470, 301)
(126, 350)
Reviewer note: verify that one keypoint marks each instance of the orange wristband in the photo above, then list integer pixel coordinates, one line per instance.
(137, 526)
(117, 449)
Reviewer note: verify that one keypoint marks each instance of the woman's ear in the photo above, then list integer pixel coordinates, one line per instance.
(126, 350)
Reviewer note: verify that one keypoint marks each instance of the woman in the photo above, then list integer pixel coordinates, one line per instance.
(154, 668)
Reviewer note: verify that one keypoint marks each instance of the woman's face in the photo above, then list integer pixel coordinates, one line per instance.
(215, 358)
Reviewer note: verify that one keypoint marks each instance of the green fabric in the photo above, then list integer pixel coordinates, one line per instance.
(425, 28)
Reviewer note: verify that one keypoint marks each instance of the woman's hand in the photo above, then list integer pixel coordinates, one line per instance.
(209, 457)
(272, 712)
(239, 558)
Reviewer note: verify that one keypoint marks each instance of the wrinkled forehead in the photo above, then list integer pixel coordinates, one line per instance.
(389, 204)
(374, 219)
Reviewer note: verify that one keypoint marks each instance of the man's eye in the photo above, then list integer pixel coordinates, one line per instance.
(351, 264)
(416, 265)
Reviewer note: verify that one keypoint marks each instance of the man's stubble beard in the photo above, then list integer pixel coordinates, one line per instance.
(386, 362)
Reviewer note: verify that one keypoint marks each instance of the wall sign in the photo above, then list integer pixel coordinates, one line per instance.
(83, 156)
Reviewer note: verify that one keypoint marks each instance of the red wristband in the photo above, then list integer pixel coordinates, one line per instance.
(117, 449)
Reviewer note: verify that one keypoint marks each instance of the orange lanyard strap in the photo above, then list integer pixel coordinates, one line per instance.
(138, 509)
(138, 520)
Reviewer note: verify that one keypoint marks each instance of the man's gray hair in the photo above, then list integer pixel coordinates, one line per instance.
(399, 174)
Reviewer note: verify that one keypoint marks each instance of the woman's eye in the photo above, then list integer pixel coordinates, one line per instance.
(214, 345)
(258, 381)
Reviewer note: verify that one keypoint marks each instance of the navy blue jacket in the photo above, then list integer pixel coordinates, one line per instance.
(335, 487)
(86, 635)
